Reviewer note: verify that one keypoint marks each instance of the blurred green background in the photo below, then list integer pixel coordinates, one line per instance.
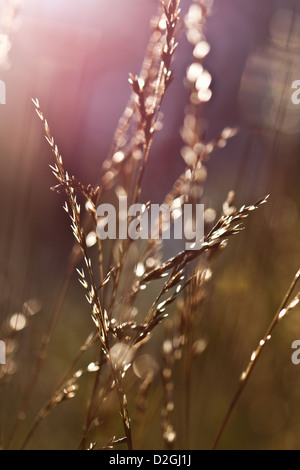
(75, 57)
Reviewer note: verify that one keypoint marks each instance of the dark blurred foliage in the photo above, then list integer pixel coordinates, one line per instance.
(75, 57)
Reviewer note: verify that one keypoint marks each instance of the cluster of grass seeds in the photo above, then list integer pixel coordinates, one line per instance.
(113, 287)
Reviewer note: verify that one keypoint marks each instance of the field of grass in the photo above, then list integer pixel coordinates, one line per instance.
(149, 343)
